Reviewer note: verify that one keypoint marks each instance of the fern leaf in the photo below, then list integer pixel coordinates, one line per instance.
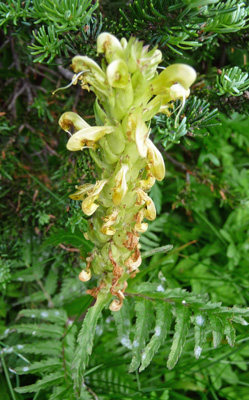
(144, 318)
(42, 330)
(123, 324)
(230, 333)
(48, 365)
(56, 316)
(50, 348)
(217, 329)
(48, 381)
(163, 321)
(85, 339)
(200, 333)
(183, 314)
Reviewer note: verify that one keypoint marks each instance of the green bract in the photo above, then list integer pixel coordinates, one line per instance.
(129, 93)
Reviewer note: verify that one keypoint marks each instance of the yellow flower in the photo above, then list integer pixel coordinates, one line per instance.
(108, 222)
(156, 162)
(88, 205)
(150, 209)
(120, 188)
(82, 133)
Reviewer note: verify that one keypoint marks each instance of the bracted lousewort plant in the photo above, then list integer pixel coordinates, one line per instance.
(129, 93)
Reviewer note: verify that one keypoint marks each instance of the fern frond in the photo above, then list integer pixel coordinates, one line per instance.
(163, 322)
(55, 316)
(53, 379)
(183, 314)
(144, 313)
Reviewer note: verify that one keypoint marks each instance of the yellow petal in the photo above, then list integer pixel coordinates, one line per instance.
(109, 221)
(177, 91)
(120, 185)
(81, 191)
(84, 63)
(72, 122)
(140, 226)
(110, 45)
(175, 73)
(90, 134)
(146, 184)
(88, 205)
(156, 167)
(141, 135)
(149, 211)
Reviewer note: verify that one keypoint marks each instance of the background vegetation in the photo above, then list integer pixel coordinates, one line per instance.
(202, 208)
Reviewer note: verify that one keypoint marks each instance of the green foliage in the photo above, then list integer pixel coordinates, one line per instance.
(233, 82)
(198, 244)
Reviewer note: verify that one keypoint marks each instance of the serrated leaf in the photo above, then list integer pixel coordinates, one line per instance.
(217, 329)
(75, 239)
(144, 313)
(230, 333)
(183, 314)
(85, 339)
(48, 348)
(123, 324)
(42, 330)
(48, 365)
(48, 380)
(200, 322)
(57, 316)
(163, 321)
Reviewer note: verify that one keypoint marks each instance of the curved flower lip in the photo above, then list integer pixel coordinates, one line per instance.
(87, 136)
(146, 184)
(72, 122)
(88, 205)
(116, 305)
(140, 226)
(81, 192)
(141, 135)
(183, 74)
(82, 63)
(149, 211)
(120, 188)
(110, 45)
(108, 222)
(156, 167)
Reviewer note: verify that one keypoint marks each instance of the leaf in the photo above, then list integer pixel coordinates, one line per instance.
(123, 324)
(50, 348)
(42, 330)
(48, 365)
(144, 313)
(163, 321)
(157, 197)
(230, 333)
(56, 316)
(75, 239)
(217, 329)
(85, 339)
(49, 380)
(200, 321)
(183, 314)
